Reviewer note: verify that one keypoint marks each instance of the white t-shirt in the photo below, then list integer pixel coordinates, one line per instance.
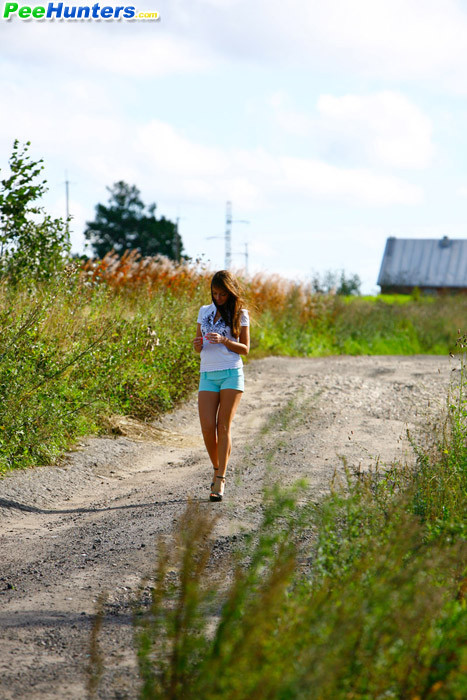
(215, 356)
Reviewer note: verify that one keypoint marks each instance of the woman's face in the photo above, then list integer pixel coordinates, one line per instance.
(219, 295)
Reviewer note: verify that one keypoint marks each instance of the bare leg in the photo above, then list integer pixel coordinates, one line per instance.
(208, 404)
(229, 400)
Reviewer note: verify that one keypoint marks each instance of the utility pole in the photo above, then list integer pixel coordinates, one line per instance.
(228, 235)
(67, 200)
(177, 241)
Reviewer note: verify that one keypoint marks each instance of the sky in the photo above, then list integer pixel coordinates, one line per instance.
(330, 126)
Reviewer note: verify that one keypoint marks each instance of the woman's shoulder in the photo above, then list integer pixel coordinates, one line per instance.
(206, 307)
(204, 310)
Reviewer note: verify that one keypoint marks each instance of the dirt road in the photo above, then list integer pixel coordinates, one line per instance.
(69, 532)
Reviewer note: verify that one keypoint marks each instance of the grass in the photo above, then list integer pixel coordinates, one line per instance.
(72, 354)
(115, 338)
(361, 596)
(290, 319)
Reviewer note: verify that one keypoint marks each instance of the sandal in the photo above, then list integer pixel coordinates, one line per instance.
(212, 484)
(216, 496)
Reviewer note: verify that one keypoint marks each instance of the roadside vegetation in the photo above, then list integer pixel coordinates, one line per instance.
(72, 355)
(295, 319)
(114, 338)
(360, 596)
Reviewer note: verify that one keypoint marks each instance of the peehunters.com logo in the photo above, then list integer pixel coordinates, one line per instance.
(61, 11)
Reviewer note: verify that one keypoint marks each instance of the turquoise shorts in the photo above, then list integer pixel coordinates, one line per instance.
(222, 379)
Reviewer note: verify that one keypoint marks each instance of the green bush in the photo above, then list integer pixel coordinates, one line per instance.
(32, 244)
(71, 355)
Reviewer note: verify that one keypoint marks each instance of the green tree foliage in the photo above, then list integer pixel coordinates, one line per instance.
(32, 244)
(127, 224)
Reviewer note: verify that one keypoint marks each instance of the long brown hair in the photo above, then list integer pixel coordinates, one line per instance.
(231, 311)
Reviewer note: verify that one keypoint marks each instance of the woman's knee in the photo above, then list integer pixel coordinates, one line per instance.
(208, 428)
(223, 429)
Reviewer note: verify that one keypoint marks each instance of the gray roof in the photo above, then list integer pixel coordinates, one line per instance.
(424, 262)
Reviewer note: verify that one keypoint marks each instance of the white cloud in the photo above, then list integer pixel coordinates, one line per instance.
(257, 161)
(169, 149)
(353, 185)
(99, 147)
(222, 3)
(261, 246)
(392, 39)
(289, 119)
(124, 49)
(395, 39)
(177, 164)
(380, 129)
(147, 56)
(386, 127)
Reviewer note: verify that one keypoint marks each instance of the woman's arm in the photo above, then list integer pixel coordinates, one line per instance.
(242, 346)
(198, 341)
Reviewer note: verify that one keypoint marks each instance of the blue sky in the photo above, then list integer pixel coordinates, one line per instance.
(330, 126)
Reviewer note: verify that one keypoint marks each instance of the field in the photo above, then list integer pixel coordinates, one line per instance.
(115, 339)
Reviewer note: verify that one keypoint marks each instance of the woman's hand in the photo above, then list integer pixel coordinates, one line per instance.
(215, 338)
(198, 343)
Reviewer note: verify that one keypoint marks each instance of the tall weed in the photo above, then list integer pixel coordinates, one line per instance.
(292, 319)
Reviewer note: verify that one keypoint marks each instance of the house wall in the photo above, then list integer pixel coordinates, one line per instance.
(399, 289)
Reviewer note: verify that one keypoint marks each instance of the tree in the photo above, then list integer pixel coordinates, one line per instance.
(32, 244)
(127, 224)
(338, 283)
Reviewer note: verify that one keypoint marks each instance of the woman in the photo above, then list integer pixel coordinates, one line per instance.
(222, 336)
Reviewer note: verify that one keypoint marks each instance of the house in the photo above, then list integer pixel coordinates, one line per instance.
(431, 264)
